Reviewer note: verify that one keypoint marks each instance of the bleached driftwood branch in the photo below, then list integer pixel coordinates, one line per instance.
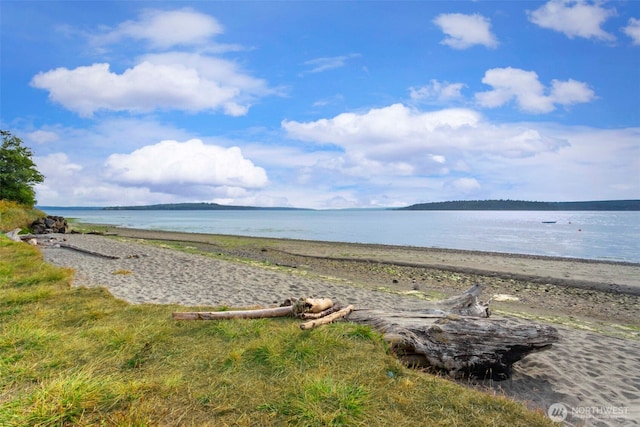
(236, 314)
(327, 319)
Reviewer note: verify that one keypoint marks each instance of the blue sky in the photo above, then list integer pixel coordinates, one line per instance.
(325, 104)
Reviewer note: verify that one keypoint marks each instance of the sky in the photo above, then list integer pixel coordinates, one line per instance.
(324, 104)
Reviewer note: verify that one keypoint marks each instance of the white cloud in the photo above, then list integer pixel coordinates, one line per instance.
(574, 18)
(436, 90)
(463, 185)
(165, 29)
(465, 31)
(159, 82)
(319, 65)
(56, 165)
(176, 166)
(42, 137)
(400, 141)
(60, 175)
(633, 30)
(529, 94)
(570, 92)
(189, 81)
(599, 164)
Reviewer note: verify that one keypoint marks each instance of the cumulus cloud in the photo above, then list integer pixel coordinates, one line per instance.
(170, 80)
(153, 84)
(165, 29)
(319, 65)
(633, 30)
(465, 31)
(401, 141)
(438, 91)
(574, 18)
(529, 94)
(184, 166)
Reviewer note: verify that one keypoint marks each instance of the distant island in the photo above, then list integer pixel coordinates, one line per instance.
(195, 207)
(459, 205)
(521, 205)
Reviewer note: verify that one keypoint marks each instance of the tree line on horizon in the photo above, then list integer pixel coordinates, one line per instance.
(498, 205)
(523, 205)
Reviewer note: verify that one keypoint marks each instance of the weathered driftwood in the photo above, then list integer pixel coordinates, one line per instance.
(308, 305)
(327, 319)
(485, 348)
(455, 335)
(446, 337)
(13, 235)
(236, 314)
(48, 242)
(465, 304)
(86, 251)
(328, 311)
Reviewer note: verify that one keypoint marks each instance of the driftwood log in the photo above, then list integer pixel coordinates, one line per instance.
(236, 314)
(456, 335)
(291, 307)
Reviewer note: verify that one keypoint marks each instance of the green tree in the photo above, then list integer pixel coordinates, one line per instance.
(18, 173)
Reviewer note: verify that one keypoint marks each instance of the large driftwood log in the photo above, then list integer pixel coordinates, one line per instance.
(236, 314)
(446, 337)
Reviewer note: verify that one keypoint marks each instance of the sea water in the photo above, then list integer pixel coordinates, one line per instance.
(612, 236)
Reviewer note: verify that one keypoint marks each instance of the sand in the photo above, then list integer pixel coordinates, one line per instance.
(594, 370)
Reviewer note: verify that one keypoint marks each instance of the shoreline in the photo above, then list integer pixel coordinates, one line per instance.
(596, 275)
(149, 232)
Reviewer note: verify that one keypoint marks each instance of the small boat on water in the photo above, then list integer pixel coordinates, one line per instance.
(549, 222)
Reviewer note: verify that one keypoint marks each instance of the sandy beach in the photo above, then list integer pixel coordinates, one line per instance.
(594, 370)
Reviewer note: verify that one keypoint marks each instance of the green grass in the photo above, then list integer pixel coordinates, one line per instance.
(14, 215)
(78, 356)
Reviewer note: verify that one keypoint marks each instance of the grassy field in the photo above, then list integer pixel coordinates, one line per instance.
(77, 356)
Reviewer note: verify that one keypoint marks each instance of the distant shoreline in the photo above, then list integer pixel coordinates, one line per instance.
(519, 205)
(459, 205)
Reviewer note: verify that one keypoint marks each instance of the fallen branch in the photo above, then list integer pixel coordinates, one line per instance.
(327, 319)
(86, 251)
(328, 311)
(236, 314)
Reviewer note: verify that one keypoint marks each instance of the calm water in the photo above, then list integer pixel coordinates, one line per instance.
(594, 235)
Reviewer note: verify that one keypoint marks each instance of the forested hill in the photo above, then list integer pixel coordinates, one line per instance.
(193, 207)
(520, 205)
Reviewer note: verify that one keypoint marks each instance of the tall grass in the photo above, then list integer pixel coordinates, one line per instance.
(78, 356)
(14, 215)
